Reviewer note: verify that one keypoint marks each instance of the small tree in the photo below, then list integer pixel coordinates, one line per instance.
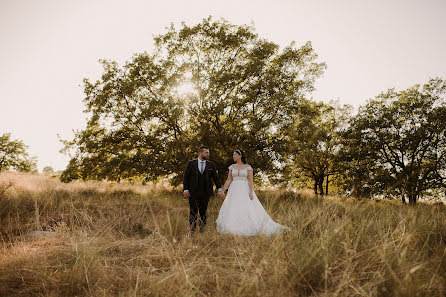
(314, 142)
(48, 170)
(13, 155)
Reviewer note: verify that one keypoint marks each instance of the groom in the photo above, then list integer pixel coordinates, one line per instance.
(197, 186)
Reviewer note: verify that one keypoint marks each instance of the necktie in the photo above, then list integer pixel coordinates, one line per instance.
(201, 166)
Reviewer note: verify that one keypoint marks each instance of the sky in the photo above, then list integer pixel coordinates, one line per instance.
(48, 46)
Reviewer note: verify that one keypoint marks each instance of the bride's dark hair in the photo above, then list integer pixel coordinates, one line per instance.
(241, 153)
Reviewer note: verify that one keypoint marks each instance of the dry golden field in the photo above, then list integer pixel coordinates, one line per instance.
(132, 240)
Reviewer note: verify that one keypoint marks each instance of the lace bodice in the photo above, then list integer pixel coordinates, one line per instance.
(240, 174)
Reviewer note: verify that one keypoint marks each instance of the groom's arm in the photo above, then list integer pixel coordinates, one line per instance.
(186, 179)
(215, 178)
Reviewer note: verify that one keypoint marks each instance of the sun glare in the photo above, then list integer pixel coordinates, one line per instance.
(186, 88)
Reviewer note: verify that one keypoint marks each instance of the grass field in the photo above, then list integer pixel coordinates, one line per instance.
(132, 240)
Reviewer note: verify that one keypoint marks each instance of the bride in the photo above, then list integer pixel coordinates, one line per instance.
(241, 212)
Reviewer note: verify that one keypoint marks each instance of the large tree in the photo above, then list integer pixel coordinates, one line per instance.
(396, 144)
(212, 83)
(14, 155)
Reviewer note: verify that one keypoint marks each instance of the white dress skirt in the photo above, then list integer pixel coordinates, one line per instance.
(242, 216)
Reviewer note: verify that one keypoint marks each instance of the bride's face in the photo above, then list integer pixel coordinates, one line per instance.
(236, 157)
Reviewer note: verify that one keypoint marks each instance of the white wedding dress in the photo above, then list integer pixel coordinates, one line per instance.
(241, 215)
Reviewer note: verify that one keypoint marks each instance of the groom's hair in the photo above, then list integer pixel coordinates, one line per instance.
(202, 147)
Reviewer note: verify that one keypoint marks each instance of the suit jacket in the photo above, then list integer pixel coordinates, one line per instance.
(190, 180)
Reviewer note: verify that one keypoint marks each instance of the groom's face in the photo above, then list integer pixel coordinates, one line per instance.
(204, 154)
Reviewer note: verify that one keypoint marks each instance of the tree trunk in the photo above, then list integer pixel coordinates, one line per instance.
(321, 185)
(326, 186)
(315, 186)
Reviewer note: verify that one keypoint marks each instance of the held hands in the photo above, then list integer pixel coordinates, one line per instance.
(221, 194)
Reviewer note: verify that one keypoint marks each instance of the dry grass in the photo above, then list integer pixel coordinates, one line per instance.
(124, 240)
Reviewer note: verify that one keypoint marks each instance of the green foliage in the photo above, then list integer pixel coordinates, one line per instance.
(13, 155)
(222, 85)
(396, 144)
(245, 92)
(314, 142)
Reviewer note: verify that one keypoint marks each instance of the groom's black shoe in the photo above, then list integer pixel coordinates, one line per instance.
(202, 223)
(192, 231)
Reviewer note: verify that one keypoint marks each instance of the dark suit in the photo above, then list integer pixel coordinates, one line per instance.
(200, 188)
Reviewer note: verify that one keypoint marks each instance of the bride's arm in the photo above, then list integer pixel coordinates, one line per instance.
(251, 183)
(228, 181)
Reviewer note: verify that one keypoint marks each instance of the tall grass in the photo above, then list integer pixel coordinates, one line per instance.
(124, 240)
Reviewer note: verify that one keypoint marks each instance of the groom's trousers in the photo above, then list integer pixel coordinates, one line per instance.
(198, 203)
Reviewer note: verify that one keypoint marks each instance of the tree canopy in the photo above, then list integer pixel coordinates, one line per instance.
(14, 155)
(314, 142)
(224, 86)
(396, 144)
(241, 92)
